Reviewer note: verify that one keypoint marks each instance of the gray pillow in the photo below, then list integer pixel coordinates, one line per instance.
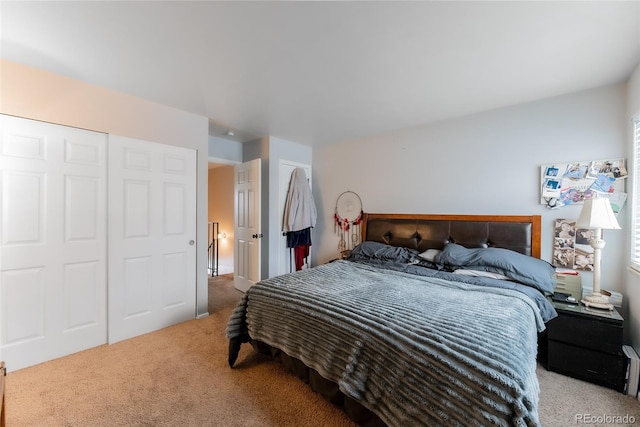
(384, 252)
(519, 267)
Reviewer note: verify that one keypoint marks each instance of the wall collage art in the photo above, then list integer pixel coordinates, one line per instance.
(564, 184)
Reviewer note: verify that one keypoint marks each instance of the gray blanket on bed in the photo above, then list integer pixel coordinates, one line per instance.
(414, 350)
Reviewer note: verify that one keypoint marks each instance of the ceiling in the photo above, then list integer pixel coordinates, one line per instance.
(326, 72)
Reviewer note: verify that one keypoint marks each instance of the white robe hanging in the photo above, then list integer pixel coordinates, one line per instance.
(299, 209)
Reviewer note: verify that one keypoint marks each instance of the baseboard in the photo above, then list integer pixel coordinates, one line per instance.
(202, 316)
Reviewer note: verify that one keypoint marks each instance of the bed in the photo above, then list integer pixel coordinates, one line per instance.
(431, 320)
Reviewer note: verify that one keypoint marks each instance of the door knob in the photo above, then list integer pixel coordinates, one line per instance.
(192, 242)
(255, 236)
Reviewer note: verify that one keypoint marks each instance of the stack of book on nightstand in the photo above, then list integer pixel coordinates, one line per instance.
(569, 282)
(633, 371)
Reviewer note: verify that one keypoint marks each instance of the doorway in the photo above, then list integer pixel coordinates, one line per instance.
(221, 210)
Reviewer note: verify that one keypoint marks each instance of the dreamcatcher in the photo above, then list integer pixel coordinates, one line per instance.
(348, 217)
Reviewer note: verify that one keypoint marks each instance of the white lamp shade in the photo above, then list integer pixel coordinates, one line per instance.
(597, 213)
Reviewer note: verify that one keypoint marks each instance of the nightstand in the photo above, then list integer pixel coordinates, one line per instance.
(585, 343)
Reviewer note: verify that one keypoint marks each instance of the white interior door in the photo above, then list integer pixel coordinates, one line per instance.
(247, 232)
(152, 233)
(53, 241)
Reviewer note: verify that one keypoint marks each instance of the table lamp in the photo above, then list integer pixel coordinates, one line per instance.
(597, 215)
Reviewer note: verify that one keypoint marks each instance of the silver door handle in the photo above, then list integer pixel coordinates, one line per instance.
(192, 242)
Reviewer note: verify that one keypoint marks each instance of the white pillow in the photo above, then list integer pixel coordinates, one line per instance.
(478, 273)
(430, 254)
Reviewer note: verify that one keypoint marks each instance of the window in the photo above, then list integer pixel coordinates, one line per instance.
(635, 199)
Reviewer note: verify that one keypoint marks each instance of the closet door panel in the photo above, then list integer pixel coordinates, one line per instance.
(152, 234)
(53, 254)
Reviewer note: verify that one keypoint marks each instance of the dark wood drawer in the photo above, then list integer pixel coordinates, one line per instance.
(589, 333)
(606, 369)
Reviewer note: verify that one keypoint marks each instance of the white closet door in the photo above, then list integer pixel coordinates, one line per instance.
(53, 241)
(152, 233)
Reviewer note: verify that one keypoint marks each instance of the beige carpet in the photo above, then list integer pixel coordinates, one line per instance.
(179, 376)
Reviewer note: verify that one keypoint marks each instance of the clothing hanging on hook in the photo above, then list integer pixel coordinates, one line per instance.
(299, 217)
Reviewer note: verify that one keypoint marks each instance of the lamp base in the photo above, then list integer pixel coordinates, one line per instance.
(597, 300)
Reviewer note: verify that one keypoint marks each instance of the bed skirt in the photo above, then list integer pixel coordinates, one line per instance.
(325, 388)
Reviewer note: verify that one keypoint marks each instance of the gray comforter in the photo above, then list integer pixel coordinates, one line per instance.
(414, 350)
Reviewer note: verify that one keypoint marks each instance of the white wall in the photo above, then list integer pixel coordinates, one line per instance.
(632, 279)
(224, 149)
(36, 94)
(488, 163)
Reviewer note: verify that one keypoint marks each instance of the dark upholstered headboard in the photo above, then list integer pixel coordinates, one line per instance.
(423, 231)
